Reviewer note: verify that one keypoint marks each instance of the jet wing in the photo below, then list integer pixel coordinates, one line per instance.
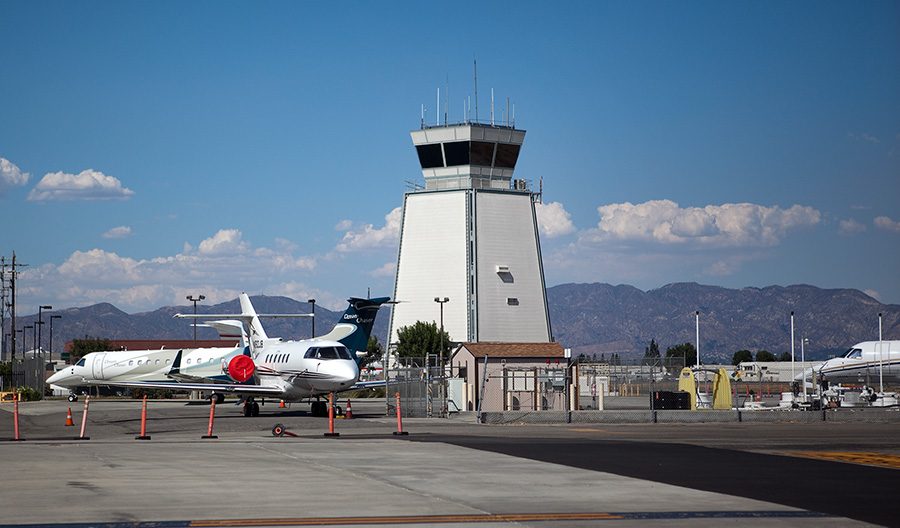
(368, 384)
(235, 388)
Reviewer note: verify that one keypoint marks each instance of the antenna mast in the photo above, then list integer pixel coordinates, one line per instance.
(475, 63)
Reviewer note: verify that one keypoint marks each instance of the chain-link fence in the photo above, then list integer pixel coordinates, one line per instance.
(525, 389)
(423, 391)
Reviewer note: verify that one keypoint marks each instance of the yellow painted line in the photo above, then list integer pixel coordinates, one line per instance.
(868, 459)
(410, 519)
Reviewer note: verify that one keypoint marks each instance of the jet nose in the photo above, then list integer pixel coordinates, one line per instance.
(348, 372)
(60, 377)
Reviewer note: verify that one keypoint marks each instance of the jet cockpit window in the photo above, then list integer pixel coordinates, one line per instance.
(80, 363)
(853, 353)
(327, 353)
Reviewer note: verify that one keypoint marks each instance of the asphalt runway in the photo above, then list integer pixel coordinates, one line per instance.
(446, 472)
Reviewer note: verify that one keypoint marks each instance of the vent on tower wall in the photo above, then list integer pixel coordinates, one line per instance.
(502, 269)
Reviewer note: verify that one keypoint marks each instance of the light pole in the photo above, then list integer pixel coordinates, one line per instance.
(697, 324)
(195, 300)
(40, 323)
(792, 346)
(803, 341)
(16, 376)
(312, 310)
(441, 302)
(24, 362)
(880, 361)
(52, 317)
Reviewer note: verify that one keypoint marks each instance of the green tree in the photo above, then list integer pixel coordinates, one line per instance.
(82, 347)
(785, 356)
(374, 352)
(684, 350)
(740, 356)
(420, 339)
(764, 355)
(651, 351)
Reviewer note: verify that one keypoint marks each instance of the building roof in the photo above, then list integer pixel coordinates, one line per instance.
(542, 350)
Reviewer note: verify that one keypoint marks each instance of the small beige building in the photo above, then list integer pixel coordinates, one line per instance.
(513, 376)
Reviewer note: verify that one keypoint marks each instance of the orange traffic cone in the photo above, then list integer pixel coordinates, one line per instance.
(281, 404)
(349, 414)
(69, 421)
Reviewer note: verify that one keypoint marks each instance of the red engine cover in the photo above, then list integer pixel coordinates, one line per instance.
(241, 368)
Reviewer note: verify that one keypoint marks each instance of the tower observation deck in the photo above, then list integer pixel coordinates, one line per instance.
(471, 235)
(468, 156)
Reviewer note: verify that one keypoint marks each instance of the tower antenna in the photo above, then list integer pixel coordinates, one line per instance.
(492, 107)
(437, 107)
(475, 64)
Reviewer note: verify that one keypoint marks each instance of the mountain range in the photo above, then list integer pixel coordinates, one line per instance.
(591, 319)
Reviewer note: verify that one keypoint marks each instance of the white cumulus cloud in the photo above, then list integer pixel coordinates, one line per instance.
(118, 232)
(850, 227)
(86, 185)
(665, 222)
(11, 175)
(553, 219)
(96, 275)
(886, 223)
(369, 236)
(226, 241)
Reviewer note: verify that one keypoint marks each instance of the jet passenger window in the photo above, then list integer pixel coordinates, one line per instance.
(80, 363)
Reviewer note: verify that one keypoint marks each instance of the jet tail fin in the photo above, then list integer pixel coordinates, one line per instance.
(355, 326)
(255, 326)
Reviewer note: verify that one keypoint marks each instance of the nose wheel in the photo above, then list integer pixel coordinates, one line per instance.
(73, 397)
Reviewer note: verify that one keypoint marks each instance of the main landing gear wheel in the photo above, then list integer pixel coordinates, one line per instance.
(318, 409)
(220, 398)
(251, 409)
(73, 398)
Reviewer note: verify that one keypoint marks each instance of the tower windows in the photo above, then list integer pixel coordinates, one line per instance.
(456, 153)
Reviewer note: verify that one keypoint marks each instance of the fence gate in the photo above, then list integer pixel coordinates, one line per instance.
(530, 389)
(422, 391)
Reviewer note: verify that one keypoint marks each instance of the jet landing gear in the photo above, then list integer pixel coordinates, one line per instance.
(318, 408)
(73, 397)
(251, 408)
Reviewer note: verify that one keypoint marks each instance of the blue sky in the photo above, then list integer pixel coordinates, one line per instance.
(155, 149)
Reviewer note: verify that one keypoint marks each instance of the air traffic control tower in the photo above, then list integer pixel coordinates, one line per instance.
(470, 235)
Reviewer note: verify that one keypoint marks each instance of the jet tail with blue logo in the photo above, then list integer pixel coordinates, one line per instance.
(355, 326)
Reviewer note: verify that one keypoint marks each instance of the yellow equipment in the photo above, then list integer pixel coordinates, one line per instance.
(687, 382)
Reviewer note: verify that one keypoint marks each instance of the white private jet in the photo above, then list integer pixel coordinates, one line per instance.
(863, 362)
(266, 367)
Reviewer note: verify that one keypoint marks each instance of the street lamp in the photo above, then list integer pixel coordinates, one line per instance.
(40, 322)
(24, 362)
(803, 341)
(52, 317)
(195, 300)
(312, 310)
(441, 302)
(697, 329)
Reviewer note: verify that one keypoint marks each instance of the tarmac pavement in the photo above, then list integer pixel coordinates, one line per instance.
(447, 472)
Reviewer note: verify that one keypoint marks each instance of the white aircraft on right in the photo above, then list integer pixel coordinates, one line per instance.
(863, 362)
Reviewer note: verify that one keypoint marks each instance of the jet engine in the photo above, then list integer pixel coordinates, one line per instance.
(241, 368)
